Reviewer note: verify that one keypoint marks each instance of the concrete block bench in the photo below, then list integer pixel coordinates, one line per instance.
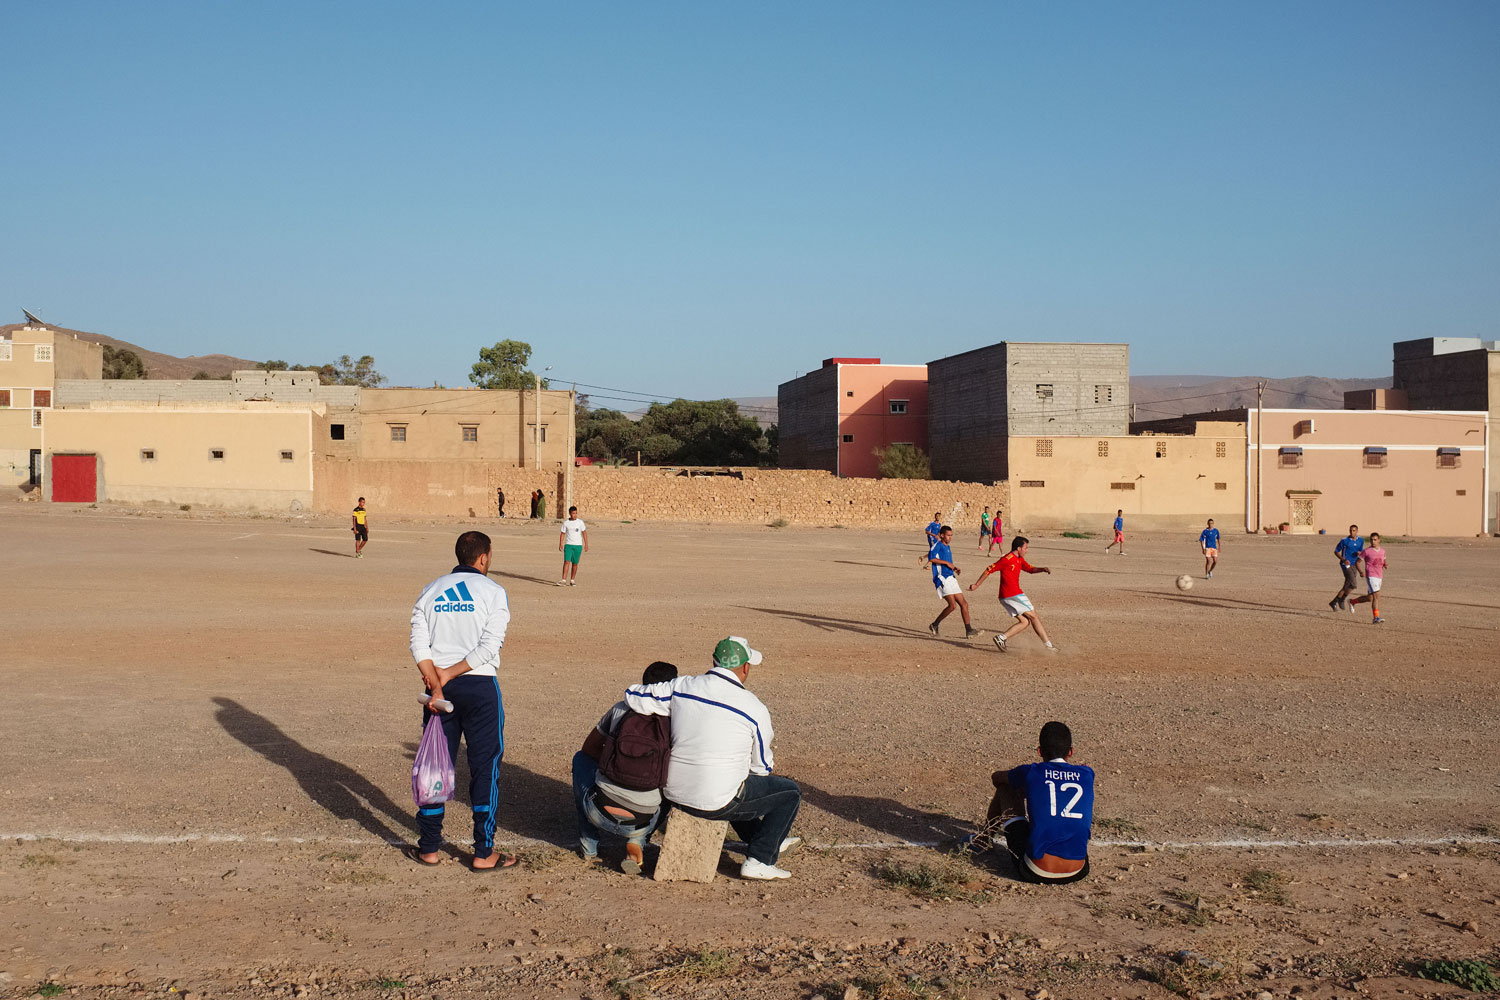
(690, 849)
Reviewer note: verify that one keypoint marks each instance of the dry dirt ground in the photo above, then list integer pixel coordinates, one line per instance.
(210, 722)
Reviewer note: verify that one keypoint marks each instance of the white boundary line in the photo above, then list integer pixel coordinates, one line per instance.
(1175, 845)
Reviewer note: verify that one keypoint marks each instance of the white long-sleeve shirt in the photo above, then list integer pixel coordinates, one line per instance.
(720, 734)
(461, 615)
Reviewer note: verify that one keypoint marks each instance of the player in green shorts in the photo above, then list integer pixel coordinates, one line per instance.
(573, 542)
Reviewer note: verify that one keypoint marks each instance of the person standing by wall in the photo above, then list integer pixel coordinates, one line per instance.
(500, 502)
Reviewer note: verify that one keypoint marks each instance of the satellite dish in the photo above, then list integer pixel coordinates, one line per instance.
(32, 319)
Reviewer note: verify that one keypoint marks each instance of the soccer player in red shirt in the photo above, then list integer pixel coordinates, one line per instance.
(1010, 567)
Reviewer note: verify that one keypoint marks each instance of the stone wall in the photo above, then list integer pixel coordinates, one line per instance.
(759, 496)
(435, 489)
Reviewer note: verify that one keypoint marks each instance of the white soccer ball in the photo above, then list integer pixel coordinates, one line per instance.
(1184, 582)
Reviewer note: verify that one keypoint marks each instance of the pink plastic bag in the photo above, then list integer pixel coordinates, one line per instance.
(432, 772)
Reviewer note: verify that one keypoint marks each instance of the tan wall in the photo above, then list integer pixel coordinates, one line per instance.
(763, 495)
(17, 438)
(1180, 490)
(429, 489)
(1425, 500)
(251, 474)
(71, 359)
(434, 421)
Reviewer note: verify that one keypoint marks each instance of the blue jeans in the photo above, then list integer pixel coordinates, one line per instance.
(591, 821)
(761, 814)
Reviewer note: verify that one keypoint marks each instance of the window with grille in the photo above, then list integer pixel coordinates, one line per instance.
(1289, 458)
(41, 398)
(1044, 390)
(1161, 449)
(4, 350)
(898, 406)
(1104, 394)
(216, 454)
(1043, 447)
(43, 352)
(1033, 484)
(470, 432)
(1447, 458)
(1122, 486)
(1374, 458)
(1103, 449)
(286, 456)
(148, 454)
(398, 432)
(36, 418)
(1221, 450)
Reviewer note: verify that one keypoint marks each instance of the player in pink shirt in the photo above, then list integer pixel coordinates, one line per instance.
(1372, 564)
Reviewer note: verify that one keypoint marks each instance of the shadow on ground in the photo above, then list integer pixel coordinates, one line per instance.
(330, 552)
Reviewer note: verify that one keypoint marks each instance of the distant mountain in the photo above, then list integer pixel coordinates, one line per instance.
(1159, 396)
(158, 366)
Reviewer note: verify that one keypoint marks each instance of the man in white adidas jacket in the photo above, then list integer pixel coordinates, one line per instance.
(721, 755)
(457, 629)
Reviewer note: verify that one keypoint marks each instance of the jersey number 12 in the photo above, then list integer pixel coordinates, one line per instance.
(1067, 812)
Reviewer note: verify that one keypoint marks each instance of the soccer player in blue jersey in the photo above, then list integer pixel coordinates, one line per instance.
(1208, 538)
(945, 579)
(1045, 811)
(933, 528)
(1347, 550)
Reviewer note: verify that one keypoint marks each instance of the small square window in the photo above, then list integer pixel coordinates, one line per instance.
(1161, 449)
(216, 454)
(335, 432)
(470, 432)
(36, 418)
(1043, 447)
(1462, 493)
(849, 393)
(1104, 394)
(1221, 486)
(1375, 460)
(1103, 449)
(148, 454)
(4, 399)
(1448, 458)
(1388, 493)
(544, 433)
(398, 432)
(1044, 390)
(41, 398)
(1289, 460)
(848, 438)
(43, 352)
(898, 406)
(1033, 484)
(1122, 486)
(286, 456)
(1221, 450)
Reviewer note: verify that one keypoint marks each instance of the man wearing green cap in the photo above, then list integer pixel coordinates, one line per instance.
(721, 756)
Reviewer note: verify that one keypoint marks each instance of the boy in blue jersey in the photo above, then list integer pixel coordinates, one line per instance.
(1119, 533)
(933, 528)
(1055, 800)
(1347, 551)
(1208, 538)
(945, 579)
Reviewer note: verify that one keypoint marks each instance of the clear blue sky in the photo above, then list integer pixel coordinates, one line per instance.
(705, 199)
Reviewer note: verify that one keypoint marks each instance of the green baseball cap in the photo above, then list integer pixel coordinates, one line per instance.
(734, 652)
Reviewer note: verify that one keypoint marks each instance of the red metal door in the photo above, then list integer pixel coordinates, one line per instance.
(74, 479)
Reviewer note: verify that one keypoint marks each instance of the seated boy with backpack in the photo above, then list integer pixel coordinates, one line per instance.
(618, 774)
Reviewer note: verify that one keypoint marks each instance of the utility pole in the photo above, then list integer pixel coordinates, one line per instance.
(1260, 399)
(572, 443)
(536, 429)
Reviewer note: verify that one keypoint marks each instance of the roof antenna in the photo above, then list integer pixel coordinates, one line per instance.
(32, 319)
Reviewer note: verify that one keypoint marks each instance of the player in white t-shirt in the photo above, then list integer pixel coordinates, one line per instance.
(573, 542)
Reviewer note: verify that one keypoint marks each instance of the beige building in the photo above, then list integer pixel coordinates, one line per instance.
(32, 360)
(1161, 481)
(242, 455)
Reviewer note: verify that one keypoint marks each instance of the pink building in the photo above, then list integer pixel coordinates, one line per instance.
(837, 417)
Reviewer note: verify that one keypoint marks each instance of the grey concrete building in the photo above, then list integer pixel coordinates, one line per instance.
(1453, 373)
(807, 409)
(978, 399)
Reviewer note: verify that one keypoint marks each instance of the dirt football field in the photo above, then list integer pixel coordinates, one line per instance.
(210, 723)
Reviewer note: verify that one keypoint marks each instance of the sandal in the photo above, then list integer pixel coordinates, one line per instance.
(506, 861)
(411, 854)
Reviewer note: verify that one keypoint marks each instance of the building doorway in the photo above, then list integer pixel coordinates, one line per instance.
(35, 478)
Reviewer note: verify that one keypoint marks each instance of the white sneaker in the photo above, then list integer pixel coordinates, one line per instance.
(753, 869)
(572, 583)
(562, 583)
(788, 845)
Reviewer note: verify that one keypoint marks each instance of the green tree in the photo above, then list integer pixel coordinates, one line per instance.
(708, 432)
(903, 461)
(504, 367)
(120, 362)
(345, 371)
(202, 376)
